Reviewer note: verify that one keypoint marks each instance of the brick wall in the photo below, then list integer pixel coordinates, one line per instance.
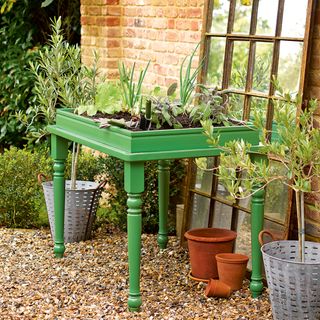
(160, 31)
(312, 208)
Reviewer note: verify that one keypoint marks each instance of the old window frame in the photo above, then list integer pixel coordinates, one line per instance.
(248, 93)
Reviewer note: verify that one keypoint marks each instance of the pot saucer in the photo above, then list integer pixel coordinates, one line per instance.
(197, 279)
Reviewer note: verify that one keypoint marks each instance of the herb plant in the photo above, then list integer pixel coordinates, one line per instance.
(131, 91)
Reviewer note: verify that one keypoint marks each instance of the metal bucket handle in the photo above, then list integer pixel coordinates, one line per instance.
(267, 232)
(99, 187)
(42, 177)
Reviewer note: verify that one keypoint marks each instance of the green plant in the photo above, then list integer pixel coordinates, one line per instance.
(188, 79)
(20, 193)
(165, 110)
(116, 212)
(107, 100)
(61, 80)
(16, 81)
(131, 91)
(212, 104)
(297, 148)
(22, 202)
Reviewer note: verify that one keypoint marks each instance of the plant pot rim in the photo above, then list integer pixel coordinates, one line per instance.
(210, 235)
(232, 258)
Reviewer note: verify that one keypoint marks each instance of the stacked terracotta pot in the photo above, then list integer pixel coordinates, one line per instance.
(212, 260)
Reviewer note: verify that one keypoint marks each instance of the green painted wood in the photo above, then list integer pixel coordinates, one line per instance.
(257, 215)
(163, 192)
(59, 153)
(145, 145)
(134, 186)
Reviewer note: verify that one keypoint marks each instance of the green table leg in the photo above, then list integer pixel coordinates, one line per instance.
(163, 189)
(59, 153)
(134, 186)
(257, 217)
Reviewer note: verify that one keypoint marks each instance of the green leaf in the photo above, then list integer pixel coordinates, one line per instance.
(46, 3)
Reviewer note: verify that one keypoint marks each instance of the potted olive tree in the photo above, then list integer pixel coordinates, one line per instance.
(292, 267)
(62, 81)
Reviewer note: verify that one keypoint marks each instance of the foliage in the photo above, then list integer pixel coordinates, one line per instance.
(165, 109)
(24, 27)
(22, 202)
(131, 91)
(16, 81)
(117, 197)
(188, 78)
(212, 104)
(297, 148)
(61, 80)
(21, 195)
(107, 100)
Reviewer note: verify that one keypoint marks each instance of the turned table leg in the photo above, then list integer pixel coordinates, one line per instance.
(257, 216)
(134, 186)
(59, 147)
(163, 190)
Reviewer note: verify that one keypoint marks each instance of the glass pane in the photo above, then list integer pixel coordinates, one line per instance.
(215, 61)
(204, 177)
(236, 102)
(200, 212)
(221, 191)
(276, 202)
(290, 65)
(294, 18)
(262, 67)
(222, 216)
(244, 203)
(267, 17)
(242, 17)
(239, 64)
(220, 14)
(258, 105)
(275, 228)
(243, 241)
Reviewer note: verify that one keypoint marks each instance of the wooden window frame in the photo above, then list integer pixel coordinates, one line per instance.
(252, 38)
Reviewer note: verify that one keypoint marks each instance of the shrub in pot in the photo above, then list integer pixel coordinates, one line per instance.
(293, 286)
(62, 80)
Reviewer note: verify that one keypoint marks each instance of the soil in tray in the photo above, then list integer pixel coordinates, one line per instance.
(183, 119)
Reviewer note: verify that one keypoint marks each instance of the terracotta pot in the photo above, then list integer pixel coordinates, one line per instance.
(217, 288)
(232, 269)
(204, 244)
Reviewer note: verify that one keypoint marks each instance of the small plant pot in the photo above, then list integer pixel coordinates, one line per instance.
(204, 244)
(217, 288)
(232, 269)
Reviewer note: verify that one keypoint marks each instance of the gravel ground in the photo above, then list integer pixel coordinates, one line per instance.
(91, 281)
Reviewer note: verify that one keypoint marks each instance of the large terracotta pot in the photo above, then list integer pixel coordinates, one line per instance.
(204, 244)
(232, 269)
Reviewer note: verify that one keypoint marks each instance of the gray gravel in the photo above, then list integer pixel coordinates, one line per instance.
(91, 281)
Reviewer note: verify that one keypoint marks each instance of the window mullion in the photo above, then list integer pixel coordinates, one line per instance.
(275, 63)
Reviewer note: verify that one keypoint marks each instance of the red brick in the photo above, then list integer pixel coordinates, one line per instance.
(94, 10)
(171, 24)
(171, 12)
(113, 11)
(172, 35)
(194, 12)
(88, 20)
(183, 24)
(113, 44)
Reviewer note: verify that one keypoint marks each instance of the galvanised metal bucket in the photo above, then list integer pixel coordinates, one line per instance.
(294, 286)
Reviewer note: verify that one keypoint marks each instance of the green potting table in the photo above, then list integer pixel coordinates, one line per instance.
(135, 148)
